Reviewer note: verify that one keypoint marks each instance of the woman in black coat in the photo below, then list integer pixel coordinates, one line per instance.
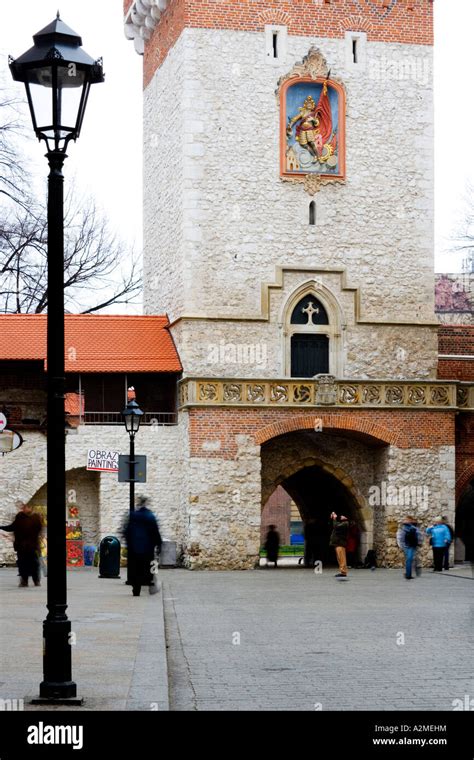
(272, 545)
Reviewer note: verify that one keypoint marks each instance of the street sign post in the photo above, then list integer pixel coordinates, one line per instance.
(125, 467)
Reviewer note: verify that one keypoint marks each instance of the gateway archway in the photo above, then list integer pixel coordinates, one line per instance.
(322, 473)
(314, 492)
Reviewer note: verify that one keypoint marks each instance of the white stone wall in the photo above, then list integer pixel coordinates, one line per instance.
(165, 259)
(223, 510)
(432, 473)
(227, 220)
(25, 475)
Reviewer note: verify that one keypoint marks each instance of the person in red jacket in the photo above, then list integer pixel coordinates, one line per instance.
(26, 527)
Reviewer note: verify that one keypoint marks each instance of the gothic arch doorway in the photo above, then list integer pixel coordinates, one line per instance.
(82, 493)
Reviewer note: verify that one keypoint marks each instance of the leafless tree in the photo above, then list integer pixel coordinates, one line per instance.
(98, 270)
(13, 185)
(463, 237)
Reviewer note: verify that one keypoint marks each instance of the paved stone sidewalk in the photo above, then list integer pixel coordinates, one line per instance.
(119, 660)
(289, 639)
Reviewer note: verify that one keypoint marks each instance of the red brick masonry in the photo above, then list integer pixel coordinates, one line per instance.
(405, 429)
(456, 340)
(406, 21)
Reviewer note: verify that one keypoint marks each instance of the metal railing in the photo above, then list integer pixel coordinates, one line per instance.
(115, 418)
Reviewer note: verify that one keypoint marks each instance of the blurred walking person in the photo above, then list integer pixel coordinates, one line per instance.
(272, 545)
(440, 539)
(26, 528)
(409, 539)
(143, 536)
(339, 536)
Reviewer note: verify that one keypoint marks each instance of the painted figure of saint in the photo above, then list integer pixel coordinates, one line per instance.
(314, 127)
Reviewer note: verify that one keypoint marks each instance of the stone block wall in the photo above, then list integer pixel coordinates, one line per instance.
(105, 501)
(238, 456)
(219, 220)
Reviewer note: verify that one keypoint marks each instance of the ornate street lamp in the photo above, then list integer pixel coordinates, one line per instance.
(132, 416)
(57, 75)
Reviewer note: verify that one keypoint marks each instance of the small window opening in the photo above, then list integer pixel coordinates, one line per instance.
(354, 49)
(275, 44)
(312, 213)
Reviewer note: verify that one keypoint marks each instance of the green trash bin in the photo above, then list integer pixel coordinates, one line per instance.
(109, 557)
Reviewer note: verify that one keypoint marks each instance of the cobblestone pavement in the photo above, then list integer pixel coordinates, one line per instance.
(289, 639)
(118, 657)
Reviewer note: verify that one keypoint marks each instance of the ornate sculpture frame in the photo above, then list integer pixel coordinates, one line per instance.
(312, 69)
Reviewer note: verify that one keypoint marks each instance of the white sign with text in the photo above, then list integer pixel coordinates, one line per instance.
(102, 460)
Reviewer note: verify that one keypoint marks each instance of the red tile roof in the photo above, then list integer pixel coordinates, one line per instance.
(94, 343)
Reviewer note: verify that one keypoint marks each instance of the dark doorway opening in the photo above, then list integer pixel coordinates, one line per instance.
(464, 527)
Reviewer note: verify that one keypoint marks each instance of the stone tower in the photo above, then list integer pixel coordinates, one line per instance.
(288, 226)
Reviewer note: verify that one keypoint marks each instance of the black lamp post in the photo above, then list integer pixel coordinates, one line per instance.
(57, 75)
(132, 416)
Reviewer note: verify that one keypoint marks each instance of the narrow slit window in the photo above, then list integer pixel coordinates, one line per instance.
(275, 44)
(354, 49)
(312, 213)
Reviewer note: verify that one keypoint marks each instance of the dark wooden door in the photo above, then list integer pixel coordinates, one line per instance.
(309, 355)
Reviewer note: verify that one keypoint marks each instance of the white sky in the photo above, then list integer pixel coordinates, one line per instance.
(106, 160)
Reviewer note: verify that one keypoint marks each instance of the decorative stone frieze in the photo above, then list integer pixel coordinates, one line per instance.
(326, 390)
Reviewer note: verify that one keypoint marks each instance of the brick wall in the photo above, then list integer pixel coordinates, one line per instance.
(457, 340)
(408, 21)
(277, 512)
(213, 430)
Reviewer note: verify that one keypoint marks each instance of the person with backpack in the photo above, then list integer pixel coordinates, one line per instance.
(440, 539)
(409, 538)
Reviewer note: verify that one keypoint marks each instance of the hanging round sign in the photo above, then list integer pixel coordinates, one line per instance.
(9, 441)
(3, 422)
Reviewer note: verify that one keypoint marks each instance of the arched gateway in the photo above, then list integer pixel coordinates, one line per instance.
(324, 472)
(379, 466)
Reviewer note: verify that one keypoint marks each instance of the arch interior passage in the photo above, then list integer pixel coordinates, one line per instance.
(317, 493)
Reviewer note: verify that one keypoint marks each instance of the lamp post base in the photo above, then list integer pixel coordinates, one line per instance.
(57, 673)
(43, 700)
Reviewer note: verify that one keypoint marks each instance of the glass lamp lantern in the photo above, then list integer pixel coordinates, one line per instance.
(132, 416)
(57, 74)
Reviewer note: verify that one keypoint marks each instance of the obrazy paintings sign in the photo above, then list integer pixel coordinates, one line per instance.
(102, 460)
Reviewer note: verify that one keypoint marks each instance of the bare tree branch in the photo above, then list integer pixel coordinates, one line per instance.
(95, 262)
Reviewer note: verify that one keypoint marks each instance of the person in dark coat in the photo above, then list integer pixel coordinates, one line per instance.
(26, 528)
(142, 536)
(272, 544)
